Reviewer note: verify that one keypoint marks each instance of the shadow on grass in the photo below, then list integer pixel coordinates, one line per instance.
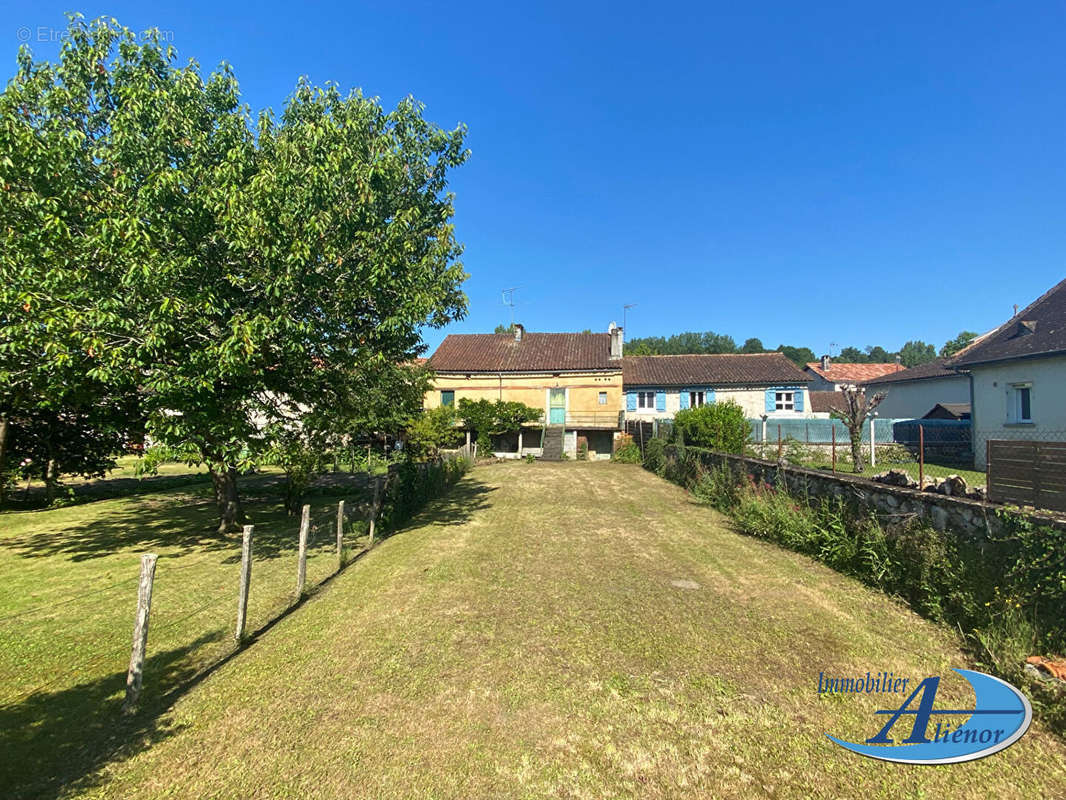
(53, 741)
(53, 744)
(187, 521)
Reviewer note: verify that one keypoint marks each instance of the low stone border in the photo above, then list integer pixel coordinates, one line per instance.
(976, 518)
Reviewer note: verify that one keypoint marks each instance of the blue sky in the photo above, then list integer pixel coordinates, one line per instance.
(804, 173)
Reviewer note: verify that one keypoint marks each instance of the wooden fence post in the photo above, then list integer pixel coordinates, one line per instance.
(921, 458)
(833, 437)
(374, 512)
(340, 534)
(301, 562)
(140, 632)
(780, 446)
(246, 581)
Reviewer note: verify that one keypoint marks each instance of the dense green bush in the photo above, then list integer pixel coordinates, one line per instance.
(654, 456)
(433, 430)
(716, 426)
(414, 483)
(628, 453)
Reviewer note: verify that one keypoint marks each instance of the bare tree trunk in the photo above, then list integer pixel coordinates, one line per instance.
(230, 512)
(3, 458)
(856, 451)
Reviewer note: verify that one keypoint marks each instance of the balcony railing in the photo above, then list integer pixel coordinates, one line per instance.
(589, 419)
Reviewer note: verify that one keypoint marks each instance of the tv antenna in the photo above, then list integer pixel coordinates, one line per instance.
(832, 347)
(508, 300)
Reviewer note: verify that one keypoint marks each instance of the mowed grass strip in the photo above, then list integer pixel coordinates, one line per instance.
(575, 631)
(68, 593)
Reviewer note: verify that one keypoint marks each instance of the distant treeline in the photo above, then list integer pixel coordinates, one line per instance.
(912, 354)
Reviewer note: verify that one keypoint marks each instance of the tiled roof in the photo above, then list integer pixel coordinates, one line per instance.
(537, 352)
(852, 373)
(934, 369)
(708, 370)
(1039, 329)
(826, 401)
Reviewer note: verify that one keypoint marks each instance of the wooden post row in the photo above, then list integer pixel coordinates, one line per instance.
(301, 563)
(135, 674)
(921, 458)
(246, 580)
(340, 534)
(374, 511)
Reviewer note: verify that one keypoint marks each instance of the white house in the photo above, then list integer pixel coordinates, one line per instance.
(1018, 376)
(913, 393)
(657, 387)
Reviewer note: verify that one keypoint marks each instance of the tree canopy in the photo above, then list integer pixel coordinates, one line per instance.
(245, 271)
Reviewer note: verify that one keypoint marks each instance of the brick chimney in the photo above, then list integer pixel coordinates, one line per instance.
(518, 331)
(616, 340)
(825, 362)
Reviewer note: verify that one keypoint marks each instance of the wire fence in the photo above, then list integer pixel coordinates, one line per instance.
(75, 641)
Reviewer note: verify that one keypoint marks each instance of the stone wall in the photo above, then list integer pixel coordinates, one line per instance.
(962, 515)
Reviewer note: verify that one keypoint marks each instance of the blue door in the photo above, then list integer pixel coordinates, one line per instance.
(557, 407)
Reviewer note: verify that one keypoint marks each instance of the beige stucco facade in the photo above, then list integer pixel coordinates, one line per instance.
(592, 403)
(587, 392)
(995, 410)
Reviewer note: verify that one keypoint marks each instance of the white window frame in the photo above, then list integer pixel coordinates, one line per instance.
(645, 401)
(1015, 413)
(784, 401)
(603, 398)
(697, 398)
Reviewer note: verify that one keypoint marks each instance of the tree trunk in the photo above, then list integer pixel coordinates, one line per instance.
(50, 479)
(3, 459)
(230, 513)
(856, 451)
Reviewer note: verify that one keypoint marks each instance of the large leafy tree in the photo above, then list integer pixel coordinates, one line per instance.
(916, 352)
(952, 346)
(246, 271)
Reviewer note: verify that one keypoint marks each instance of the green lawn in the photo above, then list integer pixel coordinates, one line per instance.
(564, 630)
(69, 588)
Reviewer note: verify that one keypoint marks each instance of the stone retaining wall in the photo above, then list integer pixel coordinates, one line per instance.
(974, 518)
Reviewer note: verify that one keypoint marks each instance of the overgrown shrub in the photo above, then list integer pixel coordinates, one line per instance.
(716, 426)
(433, 430)
(1007, 595)
(628, 453)
(413, 484)
(654, 458)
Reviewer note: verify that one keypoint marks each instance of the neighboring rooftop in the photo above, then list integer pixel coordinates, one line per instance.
(934, 369)
(852, 373)
(827, 401)
(1038, 330)
(533, 352)
(705, 370)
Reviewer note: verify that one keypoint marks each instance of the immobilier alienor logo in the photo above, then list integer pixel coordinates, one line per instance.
(1001, 715)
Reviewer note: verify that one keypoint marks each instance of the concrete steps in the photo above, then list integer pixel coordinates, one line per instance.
(553, 444)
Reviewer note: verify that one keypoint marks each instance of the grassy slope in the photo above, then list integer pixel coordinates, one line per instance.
(525, 638)
(68, 590)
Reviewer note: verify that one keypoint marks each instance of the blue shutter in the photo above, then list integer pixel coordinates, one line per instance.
(631, 401)
(684, 398)
(660, 401)
(771, 401)
(799, 399)
(708, 395)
